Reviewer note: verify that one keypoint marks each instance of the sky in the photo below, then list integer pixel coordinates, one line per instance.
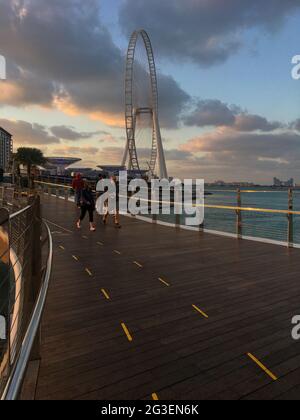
(229, 108)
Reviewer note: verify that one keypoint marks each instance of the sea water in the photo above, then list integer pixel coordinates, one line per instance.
(258, 224)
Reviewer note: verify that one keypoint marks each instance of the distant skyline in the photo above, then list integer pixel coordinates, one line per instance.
(229, 106)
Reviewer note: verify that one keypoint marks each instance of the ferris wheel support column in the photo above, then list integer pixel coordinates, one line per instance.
(125, 156)
(163, 172)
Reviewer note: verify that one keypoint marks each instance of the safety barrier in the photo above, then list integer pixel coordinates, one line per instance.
(276, 226)
(25, 263)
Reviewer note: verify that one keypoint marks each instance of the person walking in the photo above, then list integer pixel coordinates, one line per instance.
(100, 190)
(114, 198)
(87, 204)
(77, 186)
(100, 186)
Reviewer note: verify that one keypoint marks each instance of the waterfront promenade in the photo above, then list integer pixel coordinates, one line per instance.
(153, 312)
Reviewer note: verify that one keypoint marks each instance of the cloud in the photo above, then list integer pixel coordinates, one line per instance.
(204, 31)
(24, 87)
(177, 155)
(25, 133)
(75, 151)
(111, 155)
(68, 133)
(61, 55)
(269, 145)
(172, 101)
(33, 134)
(212, 112)
(248, 122)
(253, 156)
(109, 138)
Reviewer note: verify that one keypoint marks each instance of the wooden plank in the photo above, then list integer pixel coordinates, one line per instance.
(249, 290)
(28, 392)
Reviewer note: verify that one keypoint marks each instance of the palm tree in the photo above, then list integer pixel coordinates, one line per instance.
(29, 157)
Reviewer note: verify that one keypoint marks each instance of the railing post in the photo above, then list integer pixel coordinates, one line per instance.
(1, 194)
(67, 194)
(239, 225)
(290, 219)
(178, 221)
(154, 216)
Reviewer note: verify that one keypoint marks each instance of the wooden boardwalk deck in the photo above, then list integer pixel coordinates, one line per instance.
(249, 291)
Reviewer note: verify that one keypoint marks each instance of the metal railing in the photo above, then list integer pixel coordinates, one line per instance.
(234, 218)
(58, 190)
(25, 262)
(13, 198)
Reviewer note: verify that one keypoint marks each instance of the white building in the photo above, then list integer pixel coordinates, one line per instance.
(58, 165)
(6, 149)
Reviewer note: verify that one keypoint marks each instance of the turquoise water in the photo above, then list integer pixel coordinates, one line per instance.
(264, 225)
(255, 224)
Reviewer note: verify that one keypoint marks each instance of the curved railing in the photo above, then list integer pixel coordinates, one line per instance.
(236, 217)
(13, 199)
(27, 268)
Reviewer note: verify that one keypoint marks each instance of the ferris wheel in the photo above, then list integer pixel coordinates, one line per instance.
(144, 149)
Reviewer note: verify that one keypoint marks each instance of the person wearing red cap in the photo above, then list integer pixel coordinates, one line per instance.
(78, 185)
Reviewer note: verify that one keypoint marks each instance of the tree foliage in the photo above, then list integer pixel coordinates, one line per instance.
(29, 157)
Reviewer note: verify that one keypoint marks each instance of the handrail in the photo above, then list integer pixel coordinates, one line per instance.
(68, 187)
(212, 206)
(17, 213)
(250, 209)
(209, 206)
(14, 384)
(212, 189)
(239, 227)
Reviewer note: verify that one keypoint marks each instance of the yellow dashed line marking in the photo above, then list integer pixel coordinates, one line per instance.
(85, 237)
(75, 258)
(200, 312)
(155, 397)
(89, 272)
(137, 264)
(164, 282)
(128, 335)
(100, 243)
(266, 370)
(106, 295)
(62, 247)
(117, 252)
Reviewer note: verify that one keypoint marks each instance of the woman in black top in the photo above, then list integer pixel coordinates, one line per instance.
(87, 204)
